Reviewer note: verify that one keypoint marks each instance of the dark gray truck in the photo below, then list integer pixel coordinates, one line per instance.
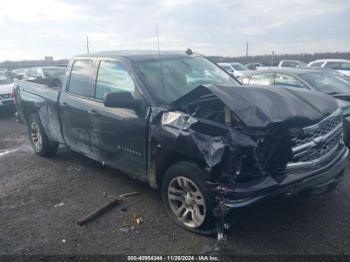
(182, 124)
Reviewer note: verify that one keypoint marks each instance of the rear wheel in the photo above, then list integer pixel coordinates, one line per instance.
(187, 199)
(41, 144)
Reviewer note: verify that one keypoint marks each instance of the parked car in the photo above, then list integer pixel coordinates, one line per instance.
(313, 79)
(340, 65)
(253, 66)
(6, 89)
(235, 69)
(285, 64)
(19, 73)
(189, 128)
(334, 72)
(292, 63)
(51, 75)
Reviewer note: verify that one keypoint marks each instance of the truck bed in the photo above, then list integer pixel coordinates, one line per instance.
(42, 99)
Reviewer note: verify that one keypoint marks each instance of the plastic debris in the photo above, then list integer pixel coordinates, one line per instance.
(138, 219)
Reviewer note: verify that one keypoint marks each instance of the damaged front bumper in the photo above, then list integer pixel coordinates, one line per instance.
(291, 182)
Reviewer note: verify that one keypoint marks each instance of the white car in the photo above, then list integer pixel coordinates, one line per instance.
(292, 64)
(45, 72)
(235, 69)
(340, 65)
(6, 88)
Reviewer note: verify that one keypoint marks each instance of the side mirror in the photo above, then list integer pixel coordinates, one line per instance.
(121, 100)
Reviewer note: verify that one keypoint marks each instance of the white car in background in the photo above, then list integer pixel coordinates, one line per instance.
(235, 69)
(6, 88)
(292, 64)
(340, 65)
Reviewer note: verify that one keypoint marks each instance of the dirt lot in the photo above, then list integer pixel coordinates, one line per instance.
(42, 199)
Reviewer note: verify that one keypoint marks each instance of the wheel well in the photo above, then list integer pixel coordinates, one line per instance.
(28, 112)
(165, 159)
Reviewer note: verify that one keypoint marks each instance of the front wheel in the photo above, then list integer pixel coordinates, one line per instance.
(41, 144)
(187, 199)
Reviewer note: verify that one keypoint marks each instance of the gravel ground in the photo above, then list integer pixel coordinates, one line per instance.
(41, 200)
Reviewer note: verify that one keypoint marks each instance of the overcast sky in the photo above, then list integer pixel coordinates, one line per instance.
(37, 28)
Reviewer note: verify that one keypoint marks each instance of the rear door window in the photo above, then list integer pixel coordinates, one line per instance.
(261, 79)
(79, 82)
(288, 80)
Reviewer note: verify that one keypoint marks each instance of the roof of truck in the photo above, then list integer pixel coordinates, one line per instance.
(138, 55)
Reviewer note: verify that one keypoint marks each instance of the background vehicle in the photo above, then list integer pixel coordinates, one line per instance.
(235, 69)
(253, 66)
(188, 127)
(285, 64)
(292, 63)
(323, 81)
(6, 89)
(19, 73)
(50, 75)
(341, 65)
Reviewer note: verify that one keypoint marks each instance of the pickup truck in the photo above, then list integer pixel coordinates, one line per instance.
(181, 123)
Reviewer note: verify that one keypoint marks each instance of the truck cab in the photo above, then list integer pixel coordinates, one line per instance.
(184, 125)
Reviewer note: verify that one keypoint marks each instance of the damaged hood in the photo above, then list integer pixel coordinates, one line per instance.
(258, 107)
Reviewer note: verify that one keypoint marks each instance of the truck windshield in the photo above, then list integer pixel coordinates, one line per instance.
(172, 78)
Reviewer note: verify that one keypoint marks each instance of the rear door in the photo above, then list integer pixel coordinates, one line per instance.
(119, 135)
(74, 107)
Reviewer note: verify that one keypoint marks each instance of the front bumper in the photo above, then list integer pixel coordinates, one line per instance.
(290, 183)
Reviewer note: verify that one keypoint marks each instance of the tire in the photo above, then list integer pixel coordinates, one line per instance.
(41, 144)
(185, 184)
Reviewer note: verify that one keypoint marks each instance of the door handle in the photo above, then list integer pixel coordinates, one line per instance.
(64, 104)
(93, 113)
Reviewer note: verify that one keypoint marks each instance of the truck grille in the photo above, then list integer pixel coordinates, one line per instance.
(318, 143)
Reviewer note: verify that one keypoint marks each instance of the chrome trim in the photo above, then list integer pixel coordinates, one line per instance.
(319, 139)
(310, 129)
(301, 150)
(314, 163)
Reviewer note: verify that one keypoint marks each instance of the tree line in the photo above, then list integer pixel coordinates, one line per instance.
(267, 59)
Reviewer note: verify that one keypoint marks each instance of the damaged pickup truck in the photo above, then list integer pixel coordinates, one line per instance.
(181, 123)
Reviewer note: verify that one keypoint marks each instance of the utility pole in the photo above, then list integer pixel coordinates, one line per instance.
(87, 44)
(272, 58)
(246, 53)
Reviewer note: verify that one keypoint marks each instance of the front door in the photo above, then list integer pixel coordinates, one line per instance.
(118, 135)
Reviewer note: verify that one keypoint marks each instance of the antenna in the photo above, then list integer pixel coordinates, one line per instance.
(247, 52)
(87, 44)
(160, 62)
